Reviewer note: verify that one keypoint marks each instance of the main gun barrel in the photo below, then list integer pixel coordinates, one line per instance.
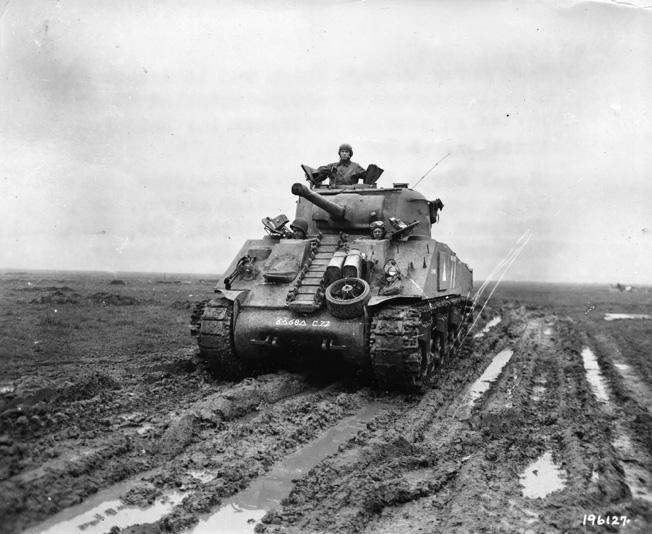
(335, 210)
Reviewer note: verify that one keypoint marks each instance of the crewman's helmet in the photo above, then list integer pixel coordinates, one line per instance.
(300, 224)
(345, 146)
(377, 225)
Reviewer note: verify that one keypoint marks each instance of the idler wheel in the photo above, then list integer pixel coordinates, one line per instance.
(347, 297)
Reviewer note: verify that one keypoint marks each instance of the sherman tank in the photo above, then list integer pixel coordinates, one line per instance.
(392, 303)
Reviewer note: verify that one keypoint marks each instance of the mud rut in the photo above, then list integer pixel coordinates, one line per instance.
(432, 463)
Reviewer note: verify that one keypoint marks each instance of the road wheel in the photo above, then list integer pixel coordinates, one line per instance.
(435, 350)
(428, 353)
(347, 297)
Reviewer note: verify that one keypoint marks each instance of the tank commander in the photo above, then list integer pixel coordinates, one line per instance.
(299, 228)
(377, 229)
(345, 171)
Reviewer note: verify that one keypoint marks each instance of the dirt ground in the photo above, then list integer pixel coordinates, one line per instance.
(105, 411)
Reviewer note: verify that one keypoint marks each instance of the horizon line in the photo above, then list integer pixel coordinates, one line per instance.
(16, 271)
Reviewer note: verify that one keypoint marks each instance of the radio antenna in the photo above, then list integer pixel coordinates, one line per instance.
(431, 168)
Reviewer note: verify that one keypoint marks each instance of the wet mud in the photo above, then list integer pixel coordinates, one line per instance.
(109, 423)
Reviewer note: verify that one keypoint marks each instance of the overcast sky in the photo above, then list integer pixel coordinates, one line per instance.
(154, 136)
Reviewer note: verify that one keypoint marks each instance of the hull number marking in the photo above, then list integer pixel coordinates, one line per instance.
(302, 322)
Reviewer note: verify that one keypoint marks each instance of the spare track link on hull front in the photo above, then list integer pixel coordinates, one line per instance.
(400, 344)
(216, 339)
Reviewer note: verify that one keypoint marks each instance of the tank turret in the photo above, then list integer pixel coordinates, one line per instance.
(351, 209)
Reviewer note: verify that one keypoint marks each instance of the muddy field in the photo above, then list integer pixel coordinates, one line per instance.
(540, 422)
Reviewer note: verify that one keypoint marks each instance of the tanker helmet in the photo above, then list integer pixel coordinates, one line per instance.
(300, 224)
(377, 229)
(345, 146)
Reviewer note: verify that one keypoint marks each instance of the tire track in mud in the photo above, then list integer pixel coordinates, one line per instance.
(237, 434)
(241, 452)
(626, 404)
(47, 410)
(115, 453)
(632, 394)
(442, 468)
(563, 420)
(134, 440)
(392, 463)
(556, 420)
(459, 436)
(434, 463)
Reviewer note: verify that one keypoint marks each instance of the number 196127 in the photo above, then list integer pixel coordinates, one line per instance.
(599, 520)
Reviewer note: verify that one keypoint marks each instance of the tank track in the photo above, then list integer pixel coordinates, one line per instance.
(216, 339)
(399, 344)
(195, 317)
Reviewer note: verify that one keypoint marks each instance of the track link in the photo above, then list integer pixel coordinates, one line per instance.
(216, 339)
(404, 344)
(396, 346)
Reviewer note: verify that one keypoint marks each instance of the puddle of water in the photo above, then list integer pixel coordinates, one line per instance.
(98, 513)
(619, 316)
(594, 376)
(488, 326)
(492, 323)
(232, 518)
(490, 374)
(105, 515)
(240, 513)
(541, 478)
